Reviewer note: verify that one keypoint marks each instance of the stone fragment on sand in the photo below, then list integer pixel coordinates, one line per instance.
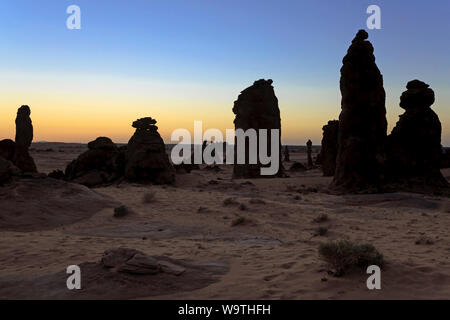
(132, 261)
(170, 268)
(140, 264)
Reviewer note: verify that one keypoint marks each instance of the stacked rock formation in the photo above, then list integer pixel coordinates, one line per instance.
(147, 159)
(24, 137)
(144, 159)
(329, 149)
(309, 152)
(362, 122)
(99, 165)
(414, 146)
(257, 108)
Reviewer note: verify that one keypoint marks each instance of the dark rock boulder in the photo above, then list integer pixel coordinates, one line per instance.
(147, 160)
(7, 170)
(362, 122)
(7, 149)
(414, 146)
(98, 165)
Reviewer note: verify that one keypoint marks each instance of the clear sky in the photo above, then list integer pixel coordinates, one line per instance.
(185, 60)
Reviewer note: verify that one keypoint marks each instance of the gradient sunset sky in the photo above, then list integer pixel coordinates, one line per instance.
(185, 60)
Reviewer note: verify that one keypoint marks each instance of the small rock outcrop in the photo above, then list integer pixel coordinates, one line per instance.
(147, 160)
(257, 108)
(7, 170)
(414, 146)
(297, 167)
(24, 137)
(7, 149)
(362, 122)
(329, 149)
(99, 165)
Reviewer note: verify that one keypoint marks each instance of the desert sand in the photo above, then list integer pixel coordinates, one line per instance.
(272, 254)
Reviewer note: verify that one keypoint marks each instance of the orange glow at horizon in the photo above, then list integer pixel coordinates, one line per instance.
(78, 110)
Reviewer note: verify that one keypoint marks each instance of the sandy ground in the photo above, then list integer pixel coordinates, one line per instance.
(272, 255)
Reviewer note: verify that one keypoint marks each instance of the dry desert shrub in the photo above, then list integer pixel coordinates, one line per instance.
(238, 221)
(121, 211)
(323, 217)
(149, 197)
(344, 256)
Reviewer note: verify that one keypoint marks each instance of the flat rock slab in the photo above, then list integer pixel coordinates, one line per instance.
(99, 282)
(45, 203)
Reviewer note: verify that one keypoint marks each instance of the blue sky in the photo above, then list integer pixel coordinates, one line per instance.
(222, 47)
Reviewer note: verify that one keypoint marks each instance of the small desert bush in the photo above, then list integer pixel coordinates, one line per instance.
(149, 197)
(238, 221)
(257, 201)
(424, 240)
(230, 202)
(321, 231)
(243, 207)
(323, 217)
(121, 211)
(344, 256)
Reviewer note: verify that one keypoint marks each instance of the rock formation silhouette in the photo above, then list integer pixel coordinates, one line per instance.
(257, 108)
(144, 159)
(414, 146)
(147, 159)
(98, 165)
(362, 122)
(309, 152)
(329, 149)
(24, 137)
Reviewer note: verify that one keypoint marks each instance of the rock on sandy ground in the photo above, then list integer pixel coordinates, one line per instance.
(265, 233)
